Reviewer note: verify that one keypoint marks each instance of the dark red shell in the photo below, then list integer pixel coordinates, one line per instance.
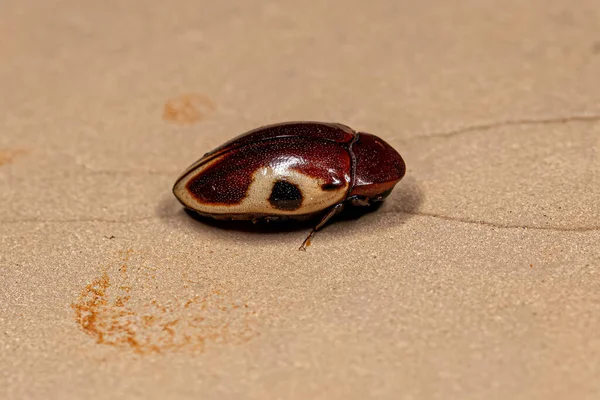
(333, 154)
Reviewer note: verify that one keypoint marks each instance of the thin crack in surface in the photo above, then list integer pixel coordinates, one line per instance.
(502, 226)
(517, 122)
(592, 119)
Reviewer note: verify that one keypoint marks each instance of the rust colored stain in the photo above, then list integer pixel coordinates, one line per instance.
(188, 109)
(114, 310)
(8, 156)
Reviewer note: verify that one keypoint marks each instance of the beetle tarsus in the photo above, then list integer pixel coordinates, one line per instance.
(333, 211)
(306, 242)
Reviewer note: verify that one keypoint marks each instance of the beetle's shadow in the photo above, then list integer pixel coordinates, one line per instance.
(279, 226)
(404, 201)
(408, 198)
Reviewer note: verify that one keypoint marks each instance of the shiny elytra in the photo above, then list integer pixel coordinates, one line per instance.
(291, 170)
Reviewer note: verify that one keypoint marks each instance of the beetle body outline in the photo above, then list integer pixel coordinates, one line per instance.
(291, 170)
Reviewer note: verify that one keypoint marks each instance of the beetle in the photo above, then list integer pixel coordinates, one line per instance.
(291, 170)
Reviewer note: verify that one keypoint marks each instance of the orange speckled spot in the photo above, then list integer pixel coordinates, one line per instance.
(115, 310)
(7, 156)
(188, 109)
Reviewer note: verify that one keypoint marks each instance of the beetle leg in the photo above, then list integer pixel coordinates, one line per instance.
(334, 210)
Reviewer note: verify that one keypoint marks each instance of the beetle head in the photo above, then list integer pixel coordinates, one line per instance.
(378, 168)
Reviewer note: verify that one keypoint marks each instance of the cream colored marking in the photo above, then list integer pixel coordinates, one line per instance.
(256, 202)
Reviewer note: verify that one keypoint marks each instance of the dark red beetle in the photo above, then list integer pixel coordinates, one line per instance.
(291, 170)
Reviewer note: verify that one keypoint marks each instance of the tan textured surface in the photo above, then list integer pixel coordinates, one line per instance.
(478, 279)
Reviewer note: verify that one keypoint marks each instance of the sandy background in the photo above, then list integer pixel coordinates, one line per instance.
(478, 279)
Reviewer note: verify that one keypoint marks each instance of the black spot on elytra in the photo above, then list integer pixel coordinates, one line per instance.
(285, 196)
(331, 186)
